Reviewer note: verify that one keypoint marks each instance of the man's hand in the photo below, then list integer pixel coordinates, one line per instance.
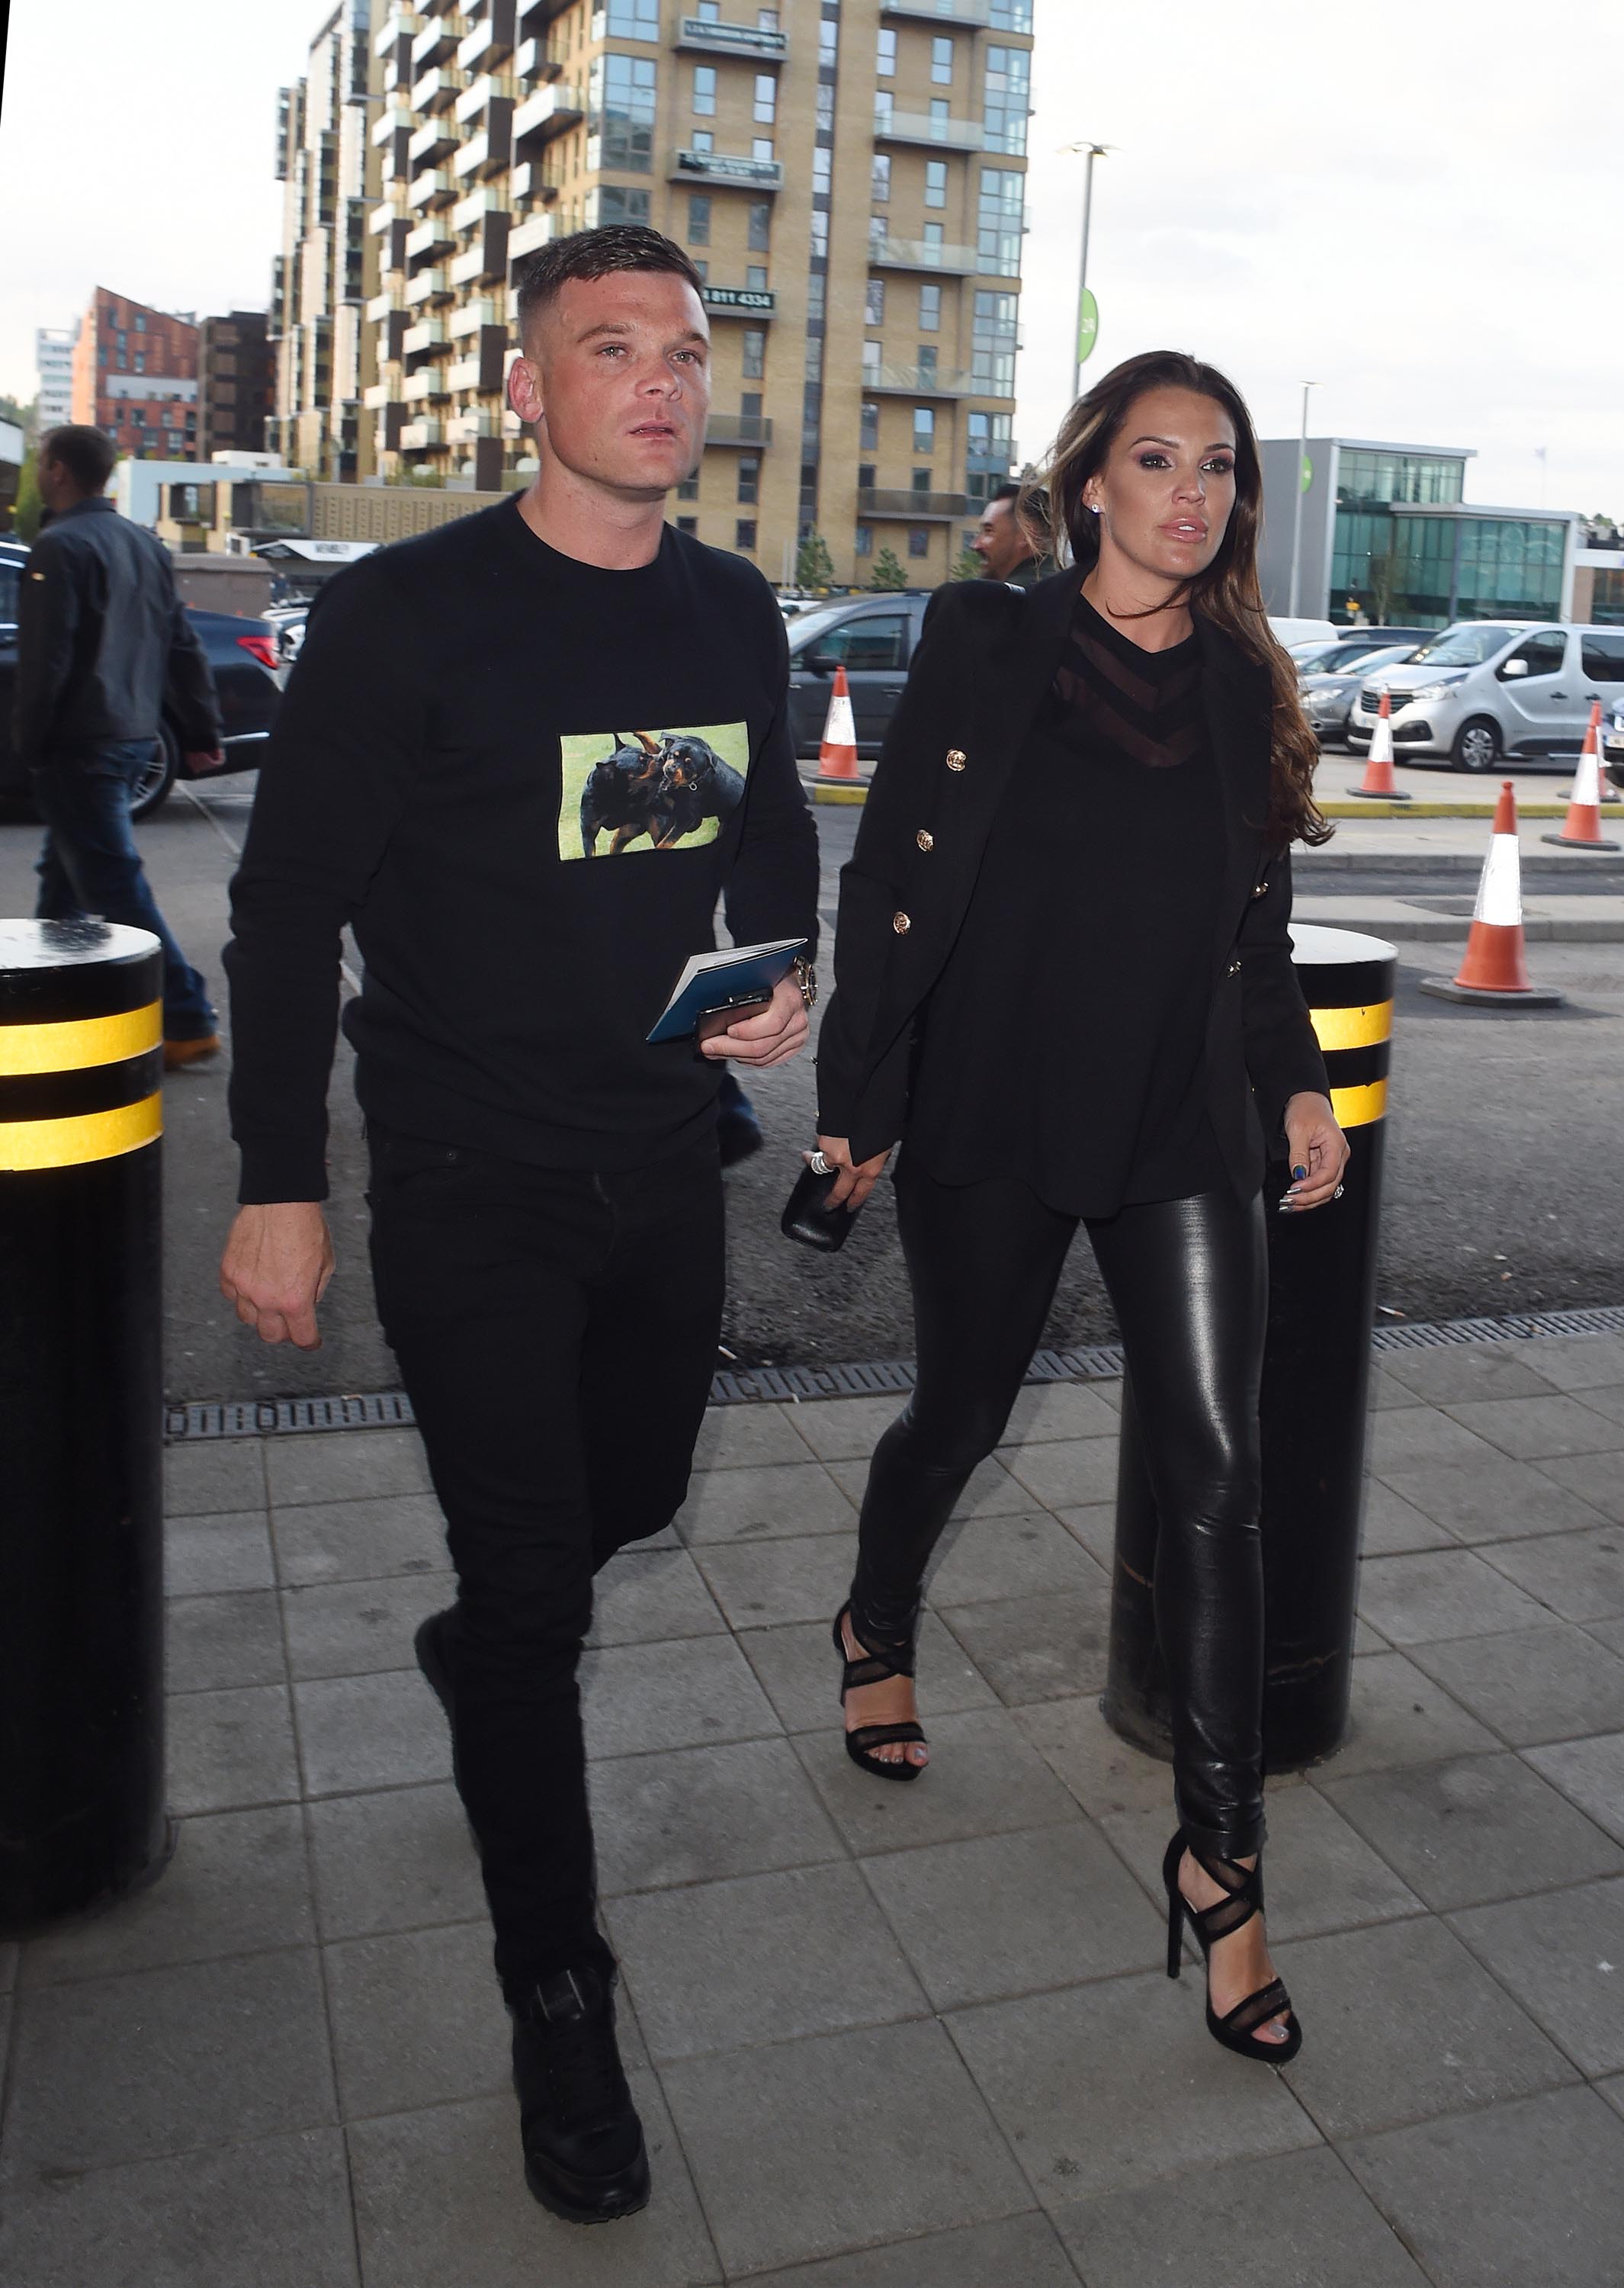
(778, 1033)
(1318, 1151)
(856, 1178)
(200, 760)
(277, 1263)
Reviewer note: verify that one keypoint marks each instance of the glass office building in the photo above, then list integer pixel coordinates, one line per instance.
(1382, 533)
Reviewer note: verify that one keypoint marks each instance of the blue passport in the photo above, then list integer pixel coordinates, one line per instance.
(716, 981)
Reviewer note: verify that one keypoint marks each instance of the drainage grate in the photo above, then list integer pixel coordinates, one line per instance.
(392, 1409)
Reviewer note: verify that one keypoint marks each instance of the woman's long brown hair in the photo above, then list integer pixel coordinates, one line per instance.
(1227, 592)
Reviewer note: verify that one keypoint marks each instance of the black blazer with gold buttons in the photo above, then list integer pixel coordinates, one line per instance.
(985, 659)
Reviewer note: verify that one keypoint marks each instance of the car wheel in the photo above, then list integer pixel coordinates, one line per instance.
(151, 789)
(1477, 744)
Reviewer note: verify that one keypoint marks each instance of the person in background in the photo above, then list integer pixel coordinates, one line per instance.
(104, 648)
(1009, 541)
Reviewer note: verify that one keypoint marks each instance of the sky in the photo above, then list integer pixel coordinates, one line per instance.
(1415, 204)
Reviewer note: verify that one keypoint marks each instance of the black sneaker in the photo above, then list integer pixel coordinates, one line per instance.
(429, 1646)
(584, 2156)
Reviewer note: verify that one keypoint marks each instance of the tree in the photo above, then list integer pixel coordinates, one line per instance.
(968, 567)
(28, 507)
(887, 573)
(814, 566)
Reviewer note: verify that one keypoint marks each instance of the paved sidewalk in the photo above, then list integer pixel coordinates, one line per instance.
(882, 2038)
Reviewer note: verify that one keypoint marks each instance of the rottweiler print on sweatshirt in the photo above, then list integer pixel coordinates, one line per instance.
(632, 791)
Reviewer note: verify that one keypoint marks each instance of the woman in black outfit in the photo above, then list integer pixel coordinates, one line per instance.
(1063, 979)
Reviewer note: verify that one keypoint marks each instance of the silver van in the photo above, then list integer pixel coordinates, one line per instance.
(1483, 690)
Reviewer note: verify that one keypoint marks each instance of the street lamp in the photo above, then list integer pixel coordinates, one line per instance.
(1296, 505)
(1092, 151)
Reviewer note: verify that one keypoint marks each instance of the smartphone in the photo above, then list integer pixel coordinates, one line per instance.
(730, 1012)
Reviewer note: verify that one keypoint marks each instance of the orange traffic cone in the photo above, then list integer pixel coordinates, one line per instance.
(1582, 829)
(838, 756)
(1494, 973)
(1378, 779)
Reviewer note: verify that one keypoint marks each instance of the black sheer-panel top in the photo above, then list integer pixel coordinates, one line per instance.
(1063, 1043)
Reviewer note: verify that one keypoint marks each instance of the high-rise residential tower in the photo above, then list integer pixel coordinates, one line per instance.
(328, 266)
(53, 363)
(850, 176)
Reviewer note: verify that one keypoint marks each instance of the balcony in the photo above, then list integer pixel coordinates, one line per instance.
(472, 316)
(385, 218)
(477, 421)
(427, 334)
(400, 24)
(739, 301)
(923, 254)
(428, 382)
(428, 287)
(436, 187)
(547, 113)
(485, 201)
(380, 394)
(539, 231)
(478, 97)
(432, 142)
(738, 429)
(531, 14)
(379, 308)
(491, 40)
(974, 15)
(923, 127)
(728, 167)
(437, 91)
(705, 39)
(434, 236)
(918, 381)
(531, 60)
(485, 261)
(437, 39)
(389, 122)
(490, 151)
(415, 434)
(912, 508)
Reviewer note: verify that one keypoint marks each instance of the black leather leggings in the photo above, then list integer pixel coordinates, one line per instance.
(1188, 1282)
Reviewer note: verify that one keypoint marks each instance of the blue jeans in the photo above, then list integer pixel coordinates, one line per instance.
(89, 864)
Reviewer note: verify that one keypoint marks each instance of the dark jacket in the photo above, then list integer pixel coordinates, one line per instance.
(985, 659)
(103, 641)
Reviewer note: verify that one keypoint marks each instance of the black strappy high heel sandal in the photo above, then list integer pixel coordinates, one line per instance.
(876, 1668)
(1244, 1887)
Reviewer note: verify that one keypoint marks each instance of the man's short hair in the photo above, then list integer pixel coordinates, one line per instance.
(1009, 492)
(594, 254)
(1034, 502)
(88, 456)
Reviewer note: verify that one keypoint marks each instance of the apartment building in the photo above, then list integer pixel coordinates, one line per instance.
(850, 177)
(53, 366)
(236, 384)
(135, 374)
(328, 267)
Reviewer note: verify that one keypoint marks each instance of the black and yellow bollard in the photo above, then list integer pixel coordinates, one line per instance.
(82, 1810)
(1316, 1384)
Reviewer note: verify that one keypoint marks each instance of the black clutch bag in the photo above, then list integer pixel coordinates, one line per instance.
(808, 1216)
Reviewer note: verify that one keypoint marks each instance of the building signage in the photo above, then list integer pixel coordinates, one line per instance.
(723, 166)
(761, 298)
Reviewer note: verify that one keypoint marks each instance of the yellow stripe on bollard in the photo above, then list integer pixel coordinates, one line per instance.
(1352, 1029)
(87, 1136)
(85, 1041)
(1357, 1108)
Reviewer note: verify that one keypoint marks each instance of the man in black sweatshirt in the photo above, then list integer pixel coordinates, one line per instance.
(522, 756)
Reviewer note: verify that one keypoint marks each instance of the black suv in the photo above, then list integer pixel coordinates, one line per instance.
(242, 655)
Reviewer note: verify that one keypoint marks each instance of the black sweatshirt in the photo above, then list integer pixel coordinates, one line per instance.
(525, 781)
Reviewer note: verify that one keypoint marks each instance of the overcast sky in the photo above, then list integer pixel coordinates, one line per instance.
(1414, 203)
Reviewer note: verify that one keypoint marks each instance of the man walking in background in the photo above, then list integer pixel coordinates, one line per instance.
(1012, 546)
(478, 764)
(103, 645)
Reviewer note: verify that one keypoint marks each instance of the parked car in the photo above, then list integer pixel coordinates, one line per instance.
(242, 654)
(1329, 692)
(872, 638)
(1613, 744)
(1292, 632)
(1320, 656)
(1482, 690)
(286, 623)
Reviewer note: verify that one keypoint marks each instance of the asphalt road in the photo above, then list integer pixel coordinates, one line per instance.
(1503, 1159)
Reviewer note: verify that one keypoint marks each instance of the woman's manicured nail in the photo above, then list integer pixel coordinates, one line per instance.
(1297, 1174)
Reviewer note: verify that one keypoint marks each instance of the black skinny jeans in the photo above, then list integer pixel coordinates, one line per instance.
(1188, 1282)
(555, 1331)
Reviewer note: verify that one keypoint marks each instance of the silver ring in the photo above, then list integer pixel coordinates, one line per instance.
(1337, 1195)
(819, 1166)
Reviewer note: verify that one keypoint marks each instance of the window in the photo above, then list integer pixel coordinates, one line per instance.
(140, 322)
(705, 91)
(755, 353)
(883, 112)
(924, 429)
(621, 102)
(875, 640)
(868, 439)
(993, 343)
(817, 294)
(140, 361)
(749, 404)
(932, 235)
(1000, 217)
(8, 595)
(1544, 654)
(873, 305)
(865, 476)
(941, 63)
(611, 202)
(920, 481)
(766, 98)
(766, 19)
(919, 540)
(826, 108)
(886, 66)
(710, 11)
(689, 487)
(744, 532)
(123, 343)
(1006, 98)
(828, 43)
(1011, 15)
(634, 20)
(759, 232)
(872, 354)
(929, 309)
(698, 218)
(814, 357)
(756, 276)
(761, 147)
(823, 170)
(927, 365)
(749, 483)
(1602, 657)
(703, 267)
(820, 233)
(880, 186)
(865, 532)
(936, 182)
(687, 524)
